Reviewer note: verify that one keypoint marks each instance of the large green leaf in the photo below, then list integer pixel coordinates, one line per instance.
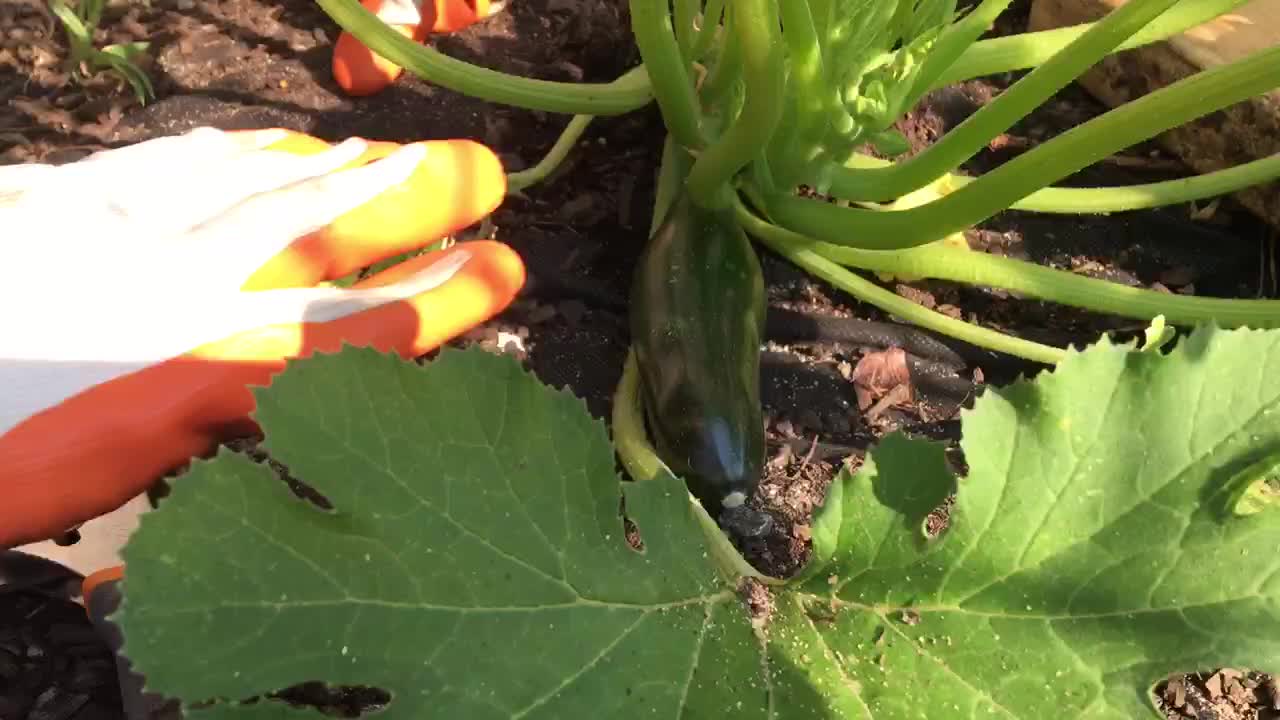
(1093, 547)
(475, 563)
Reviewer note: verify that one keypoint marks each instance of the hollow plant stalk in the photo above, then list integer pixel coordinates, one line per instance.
(751, 70)
(995, 191)
(1025, 95)
(1029, 49)
(758, 34)
(801, 251)
(943, 262)
(1121, 198)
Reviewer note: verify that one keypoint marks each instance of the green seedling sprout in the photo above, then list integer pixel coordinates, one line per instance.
(86, 59)
(772, 96)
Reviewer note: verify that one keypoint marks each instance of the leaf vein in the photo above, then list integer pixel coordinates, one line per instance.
(590, 664)
(1073, 475)
(693, 662)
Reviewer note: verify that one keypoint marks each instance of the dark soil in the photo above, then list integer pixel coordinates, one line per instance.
(830, 388)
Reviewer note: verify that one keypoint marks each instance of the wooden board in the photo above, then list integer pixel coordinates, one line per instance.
(1246, 131)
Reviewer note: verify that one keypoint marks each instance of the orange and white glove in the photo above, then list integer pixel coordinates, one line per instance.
(148, 287)
(358, 71)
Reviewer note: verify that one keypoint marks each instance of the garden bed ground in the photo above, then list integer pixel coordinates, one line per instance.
(259, 63)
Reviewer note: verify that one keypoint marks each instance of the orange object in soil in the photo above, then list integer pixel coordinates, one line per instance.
(361, 72)
(454, 15)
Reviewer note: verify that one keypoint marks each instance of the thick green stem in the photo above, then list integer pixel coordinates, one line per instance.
(798, 250)
(970, 136)
(518, 181)
(900, 21)
(1123, 198)
(1027, 50)
(672, 171)
(1200, 94)
(638, 457)
(756, 24)
(952, 44)
(943, 262)
(672, 87)
(710, 28)
(821, 12)
(809, 92)
(1149, 195)
(686, 13)
(627, 93)
(726, 69)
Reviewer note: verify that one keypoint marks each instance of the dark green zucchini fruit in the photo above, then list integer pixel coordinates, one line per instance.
(697, 323)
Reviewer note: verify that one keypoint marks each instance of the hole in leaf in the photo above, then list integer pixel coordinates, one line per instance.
(632, 534)
(339, 701)
(629, 529)
(939, 519)
(300, 489)
(1245, 486)
(1262, 494)
(758, 599)
(345, 701)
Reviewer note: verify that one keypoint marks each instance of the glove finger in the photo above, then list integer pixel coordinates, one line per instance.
(455, 185)
(15, 179)
(140, 168)
(94, 451)
(203, 194)
(407, 309)
(484, 288)
(231, 248)
(151, 161)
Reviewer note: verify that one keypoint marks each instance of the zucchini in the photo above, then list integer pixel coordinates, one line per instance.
(697, 323)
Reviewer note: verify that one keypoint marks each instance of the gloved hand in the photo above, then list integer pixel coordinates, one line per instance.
(358, 71)
(147, 287)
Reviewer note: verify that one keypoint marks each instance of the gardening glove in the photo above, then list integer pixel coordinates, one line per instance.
(148, 287)
(358, 71)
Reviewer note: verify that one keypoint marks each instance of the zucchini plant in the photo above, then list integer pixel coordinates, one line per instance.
(472, 561)
(777, 106)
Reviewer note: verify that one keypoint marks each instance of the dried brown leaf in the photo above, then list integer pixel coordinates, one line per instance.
(878, 373)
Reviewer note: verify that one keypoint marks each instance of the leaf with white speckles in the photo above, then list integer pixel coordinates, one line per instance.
(1093, 547)
(475, 563)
